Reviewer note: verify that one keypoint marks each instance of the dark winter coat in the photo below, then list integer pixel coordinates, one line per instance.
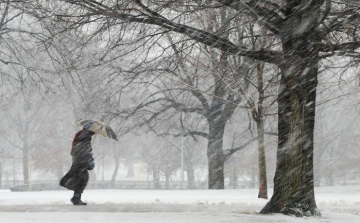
(82, 161)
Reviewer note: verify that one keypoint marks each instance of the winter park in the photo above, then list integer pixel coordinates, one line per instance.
(184, 111)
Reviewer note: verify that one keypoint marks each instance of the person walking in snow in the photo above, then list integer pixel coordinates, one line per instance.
(82, 161)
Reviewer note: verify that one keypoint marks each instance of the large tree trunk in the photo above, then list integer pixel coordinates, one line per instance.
(262, 160)
(259, 119)
(294, 177)
(216, 156)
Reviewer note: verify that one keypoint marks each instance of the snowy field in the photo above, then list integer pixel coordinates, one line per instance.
(337, 204)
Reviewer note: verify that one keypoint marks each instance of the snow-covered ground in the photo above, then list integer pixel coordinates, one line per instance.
(337, 204)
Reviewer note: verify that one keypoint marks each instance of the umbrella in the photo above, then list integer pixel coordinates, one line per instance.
(97, 127)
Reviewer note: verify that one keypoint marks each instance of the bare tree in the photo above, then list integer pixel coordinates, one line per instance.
(298, 55)
(52, 144)
(217, 107)
(22, 125)
(161, 157)
(186, 96)
(262, 103)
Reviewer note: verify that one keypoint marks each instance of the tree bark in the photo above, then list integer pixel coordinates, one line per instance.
(262, 160)
(259, 119)
(216, 156)
(294, 176)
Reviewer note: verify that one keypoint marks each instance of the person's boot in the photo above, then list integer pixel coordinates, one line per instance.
(76, 199)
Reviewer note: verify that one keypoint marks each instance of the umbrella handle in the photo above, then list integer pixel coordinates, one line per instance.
(93, 140)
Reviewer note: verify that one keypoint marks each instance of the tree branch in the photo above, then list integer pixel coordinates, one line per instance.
(201, 36)
(267, 10)
(350, 46)
(335, 23)
(189, 133)
(229, 152)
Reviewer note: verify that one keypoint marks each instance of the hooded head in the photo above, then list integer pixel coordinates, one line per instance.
(83, 136)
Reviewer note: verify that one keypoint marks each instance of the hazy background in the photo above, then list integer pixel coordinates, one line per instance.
(119, 75)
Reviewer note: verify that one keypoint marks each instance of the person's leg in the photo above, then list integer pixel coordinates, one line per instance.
(81, 178)
(76, 199)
